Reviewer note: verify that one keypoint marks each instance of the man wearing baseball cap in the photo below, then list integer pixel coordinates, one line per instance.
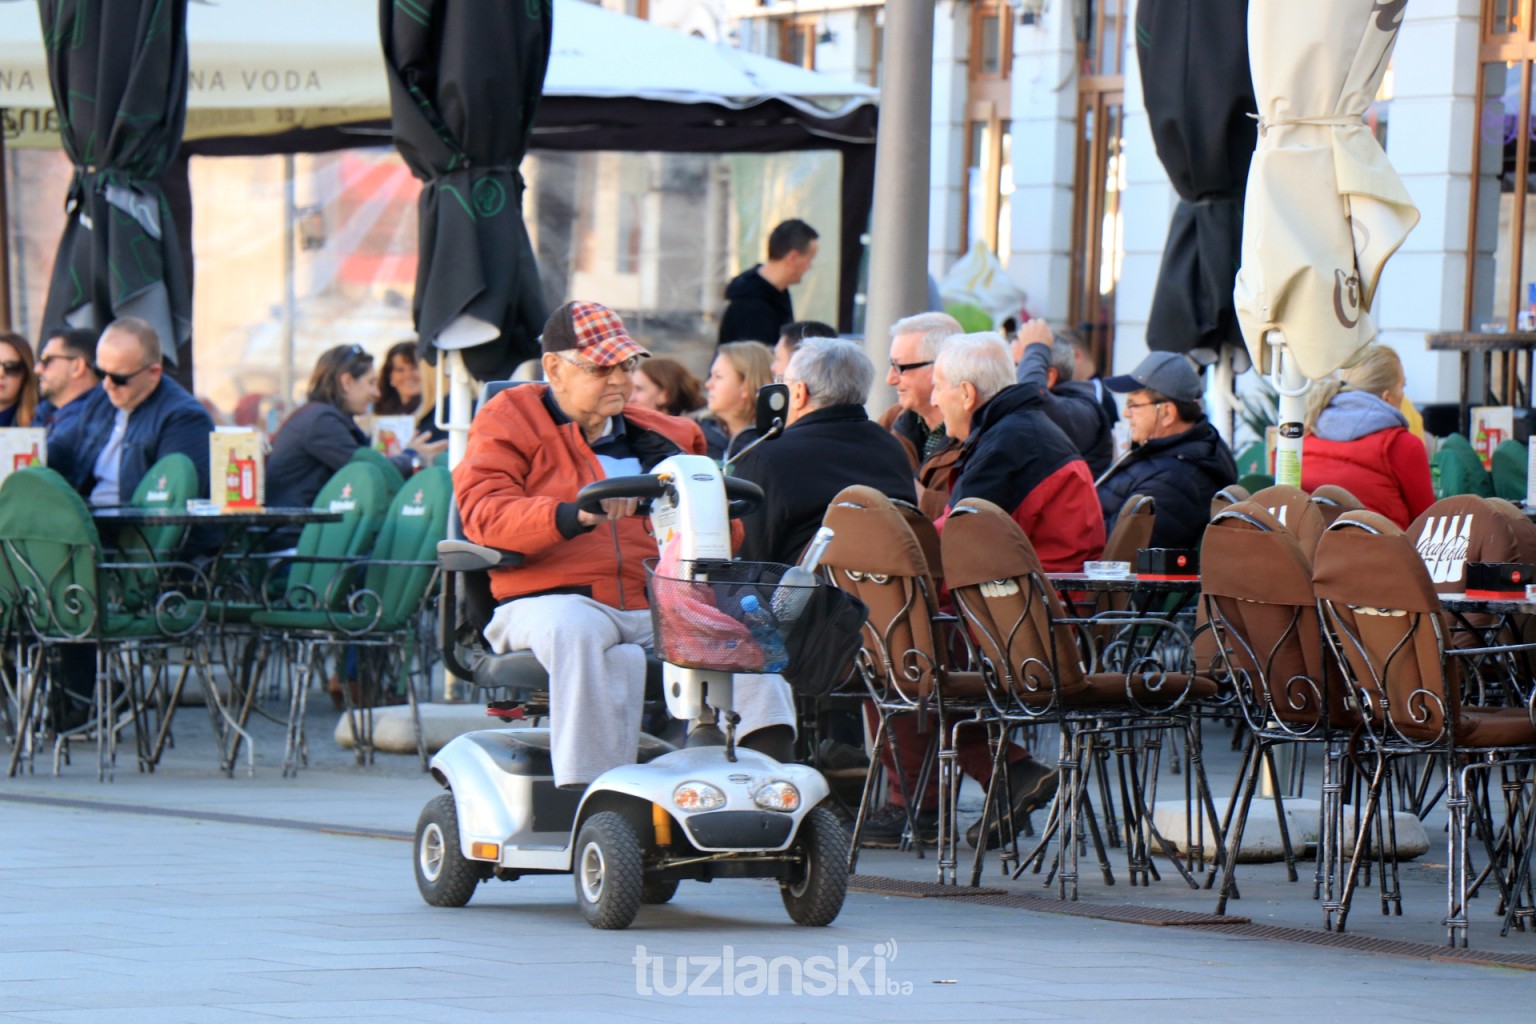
(578, 599)
(1176, 456)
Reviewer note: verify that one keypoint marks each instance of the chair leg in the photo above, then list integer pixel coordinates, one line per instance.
(1363, 819)
(1242, 798)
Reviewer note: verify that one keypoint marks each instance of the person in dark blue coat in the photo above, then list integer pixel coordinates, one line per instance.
(1176, 456)
(138, 417)
(1046, 364)
(66, 375)
(830, 443)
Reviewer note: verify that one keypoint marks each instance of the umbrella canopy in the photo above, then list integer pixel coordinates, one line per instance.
(1194, 74)
(1325, 209)
(119, 77)
(464, 84)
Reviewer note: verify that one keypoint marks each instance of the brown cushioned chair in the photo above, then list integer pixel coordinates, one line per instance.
(1383, 608)
(1031, 650)
(1256, 589)
(904, 657)
(1333, 501)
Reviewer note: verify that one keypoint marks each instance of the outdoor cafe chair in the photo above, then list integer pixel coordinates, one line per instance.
(1333, 501)
(904, 660)
(375, 604)
(299, 581)
(1294, 509)
(67, 593)
(1256, 588)
(1413, 690)
(1228, 495)
(1031, 655)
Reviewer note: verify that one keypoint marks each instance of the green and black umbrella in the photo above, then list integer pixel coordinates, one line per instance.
(119, 76)
(1199, 95)
(465, 79)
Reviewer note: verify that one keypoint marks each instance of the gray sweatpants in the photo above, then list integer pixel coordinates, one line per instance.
(595, 656)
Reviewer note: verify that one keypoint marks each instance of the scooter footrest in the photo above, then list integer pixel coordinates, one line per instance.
(516, 711)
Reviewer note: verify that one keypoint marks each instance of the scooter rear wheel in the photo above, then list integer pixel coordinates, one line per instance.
(444, 875)
(609, 869)
(814, 893)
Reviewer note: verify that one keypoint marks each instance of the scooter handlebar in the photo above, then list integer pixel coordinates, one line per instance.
(744, 495)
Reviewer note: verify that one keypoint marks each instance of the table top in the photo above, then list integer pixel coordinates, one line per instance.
(1479, 341)
(1498, 606)
(1133, 582)
(242, 517)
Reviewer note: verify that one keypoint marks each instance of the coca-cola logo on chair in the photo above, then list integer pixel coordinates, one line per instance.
(1443, 546)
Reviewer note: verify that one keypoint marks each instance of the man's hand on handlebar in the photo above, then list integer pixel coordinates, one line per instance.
(613, 508)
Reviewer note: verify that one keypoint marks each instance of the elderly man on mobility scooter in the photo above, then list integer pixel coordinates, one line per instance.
(578, 602)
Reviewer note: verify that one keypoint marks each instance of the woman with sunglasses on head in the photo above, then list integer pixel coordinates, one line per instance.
(322, 435)
(18, 382)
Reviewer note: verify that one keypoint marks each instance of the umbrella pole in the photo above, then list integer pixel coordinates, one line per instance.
(5, 246)
(455, 410)
(1292, 388)
(1220, 400)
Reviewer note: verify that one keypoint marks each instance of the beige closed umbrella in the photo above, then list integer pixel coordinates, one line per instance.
(1324, 209)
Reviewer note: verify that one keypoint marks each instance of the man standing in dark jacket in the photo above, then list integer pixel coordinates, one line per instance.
(137, 418)
(1046, 365)
(757, 300)
(829, 443)
(1176, 456)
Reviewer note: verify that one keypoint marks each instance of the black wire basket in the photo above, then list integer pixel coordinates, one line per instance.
(729, 617)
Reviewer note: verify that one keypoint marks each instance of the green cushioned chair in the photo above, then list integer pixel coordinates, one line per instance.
(393, 480)
(374, 604)
(1458, 470)
(1253, 483)
(166, 485)
(1251, 460)
(360, 492)
(51, 555)
(1509, 470)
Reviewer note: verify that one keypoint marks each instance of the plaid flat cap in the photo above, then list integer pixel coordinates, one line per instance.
(593, 331)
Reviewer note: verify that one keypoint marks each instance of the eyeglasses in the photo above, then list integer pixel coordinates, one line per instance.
(901, 368)
(47, 361)
(1141, 405)
(593, 370)
(14, 368)
(122, 379)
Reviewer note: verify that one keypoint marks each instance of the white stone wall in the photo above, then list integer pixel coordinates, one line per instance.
(1429, 141)
(1044, 160)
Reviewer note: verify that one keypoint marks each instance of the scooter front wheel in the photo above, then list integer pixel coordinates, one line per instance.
(814, 892)
(444, 875)
(609, 870)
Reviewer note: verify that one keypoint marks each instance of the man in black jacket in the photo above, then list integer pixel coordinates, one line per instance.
(829, 443)
(1176, 456)
(757, 300)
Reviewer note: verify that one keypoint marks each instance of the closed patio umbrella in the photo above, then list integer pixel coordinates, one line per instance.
(464, 84)
(119, 77)
(1194, 74)
(1324, 209)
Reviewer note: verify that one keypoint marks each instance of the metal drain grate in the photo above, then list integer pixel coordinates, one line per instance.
(1385, 947)
(879, 885)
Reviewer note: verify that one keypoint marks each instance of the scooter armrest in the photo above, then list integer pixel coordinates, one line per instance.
(464, 556)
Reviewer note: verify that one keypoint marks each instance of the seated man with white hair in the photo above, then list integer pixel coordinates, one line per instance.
(1013, 455)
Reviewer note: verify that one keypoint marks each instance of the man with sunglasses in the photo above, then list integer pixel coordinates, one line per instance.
(1176, 455)
(915, 419)
(66, 373)
(138, 417)
(578, 599)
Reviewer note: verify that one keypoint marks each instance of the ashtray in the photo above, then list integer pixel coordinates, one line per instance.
(1107, 570)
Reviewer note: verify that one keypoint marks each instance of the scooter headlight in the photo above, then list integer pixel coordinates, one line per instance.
(697, 796)
(777, 795)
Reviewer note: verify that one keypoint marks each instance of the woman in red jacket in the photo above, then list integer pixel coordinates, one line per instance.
(1358, 439)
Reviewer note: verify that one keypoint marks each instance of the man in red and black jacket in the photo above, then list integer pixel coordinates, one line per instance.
(1013, 455)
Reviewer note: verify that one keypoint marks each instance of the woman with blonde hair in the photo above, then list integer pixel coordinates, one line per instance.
(1357, 438)
(739, 369)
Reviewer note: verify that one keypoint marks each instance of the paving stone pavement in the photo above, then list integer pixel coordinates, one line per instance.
(184, 896)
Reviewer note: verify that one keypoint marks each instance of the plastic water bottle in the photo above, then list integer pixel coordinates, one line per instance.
(760, 625)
